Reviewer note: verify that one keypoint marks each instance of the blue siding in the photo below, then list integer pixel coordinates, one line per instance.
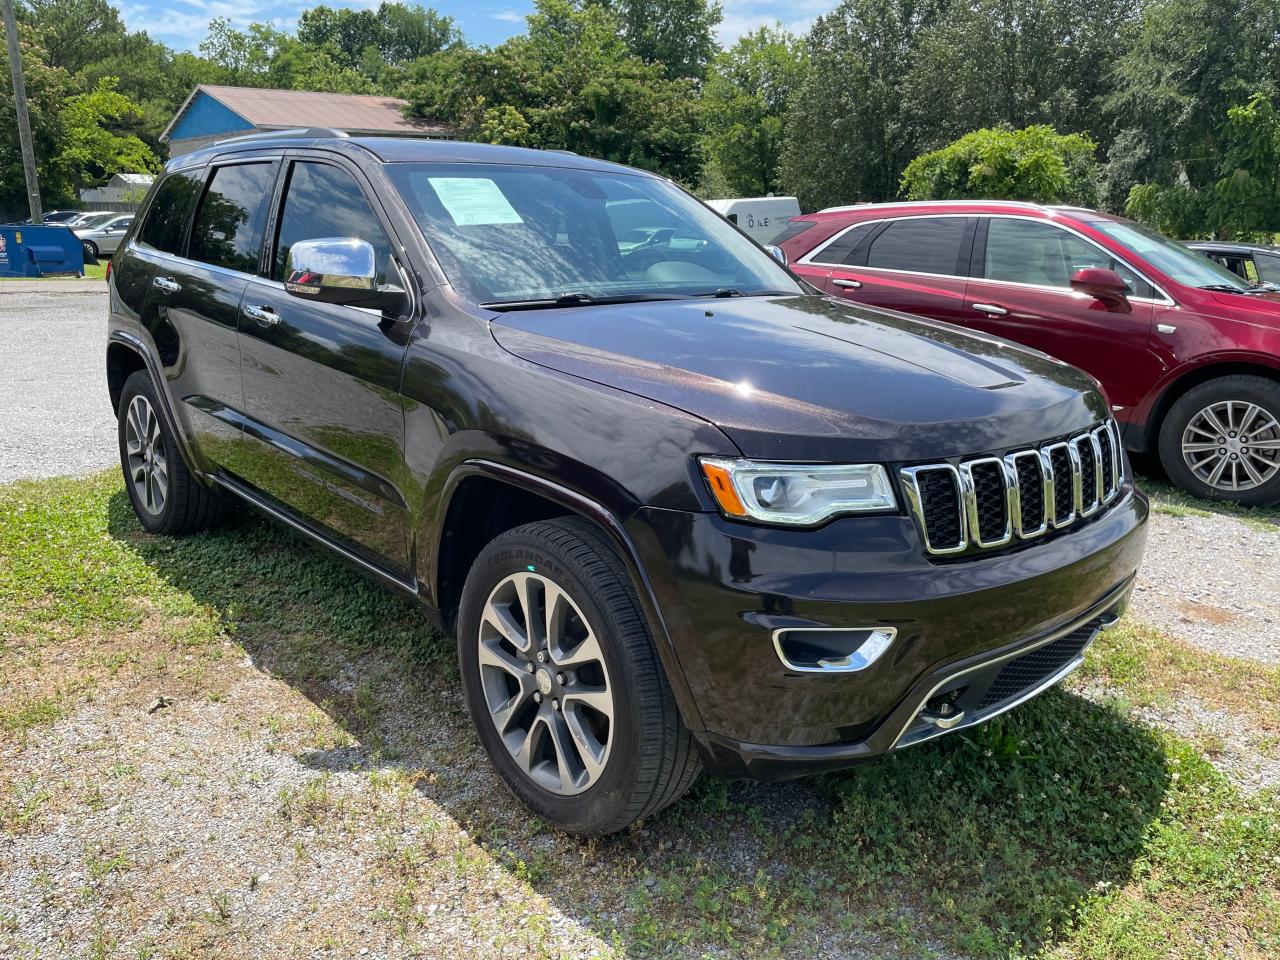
(207, 117)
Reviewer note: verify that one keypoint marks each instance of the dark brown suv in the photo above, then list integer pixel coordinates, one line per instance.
(679, 512)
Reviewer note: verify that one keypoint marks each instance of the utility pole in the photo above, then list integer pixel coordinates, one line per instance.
(20, 105)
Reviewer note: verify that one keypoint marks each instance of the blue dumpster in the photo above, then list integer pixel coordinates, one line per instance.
(29, 251)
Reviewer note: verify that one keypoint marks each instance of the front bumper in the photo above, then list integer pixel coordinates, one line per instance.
(726, 588)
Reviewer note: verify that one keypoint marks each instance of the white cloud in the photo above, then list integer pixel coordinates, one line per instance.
(510, 16)
(743, 16)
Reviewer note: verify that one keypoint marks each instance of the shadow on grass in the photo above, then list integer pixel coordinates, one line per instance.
(985, 842)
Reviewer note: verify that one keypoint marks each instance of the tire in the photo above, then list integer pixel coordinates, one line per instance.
(647, 758)
(90, 248)
(165, 495)
(1248, 408)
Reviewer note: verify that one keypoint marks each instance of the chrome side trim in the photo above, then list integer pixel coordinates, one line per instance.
(871, 649)
(250, 496)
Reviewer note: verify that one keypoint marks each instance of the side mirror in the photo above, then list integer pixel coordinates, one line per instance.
(1105, 286)
(341, 270)
(777, 253)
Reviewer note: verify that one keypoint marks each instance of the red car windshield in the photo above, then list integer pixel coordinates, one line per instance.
(1186, 266)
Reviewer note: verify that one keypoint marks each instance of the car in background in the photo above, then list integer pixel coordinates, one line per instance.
(760, 218)
(94, 218)
(1187, 351)
(59, 216)
(1253, 262)
(105, 237)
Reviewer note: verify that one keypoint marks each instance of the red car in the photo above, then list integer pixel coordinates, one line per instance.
(1187, 351)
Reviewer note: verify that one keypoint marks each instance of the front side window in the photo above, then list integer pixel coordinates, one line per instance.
(167, 216)
(227, 230)
(1268, 267)
(1028, 251)
(324, 201)
(531, 234)
(1185, 266)
(920, 245)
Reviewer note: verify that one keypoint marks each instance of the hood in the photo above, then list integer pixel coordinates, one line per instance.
(812, 378)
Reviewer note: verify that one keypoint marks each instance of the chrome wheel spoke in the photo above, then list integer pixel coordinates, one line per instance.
(498, 616)
(588, 651)
(590, 750)
(1228, 444)
(568, 764)
(492, 655)
(595, 698)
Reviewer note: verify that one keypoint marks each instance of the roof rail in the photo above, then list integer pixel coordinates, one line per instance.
(297, 134)
(922, 203)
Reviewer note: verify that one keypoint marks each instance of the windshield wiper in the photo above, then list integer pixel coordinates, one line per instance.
(724, 292)
(578, 299)
(1222, 288)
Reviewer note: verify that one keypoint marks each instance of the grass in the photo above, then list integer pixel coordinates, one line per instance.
(1168, 499)
(1061, 830)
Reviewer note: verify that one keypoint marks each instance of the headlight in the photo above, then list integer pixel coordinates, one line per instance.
(794, 493)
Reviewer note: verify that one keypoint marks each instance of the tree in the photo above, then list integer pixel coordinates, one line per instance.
(1191, 62)
(46, 89)
(75, 33)
(744, 107)
(397, 32)
(1036, 163)
(100, 137)
(679, 34)
(1243, 201)
(849, 134)
(570, 83)
(989, 63)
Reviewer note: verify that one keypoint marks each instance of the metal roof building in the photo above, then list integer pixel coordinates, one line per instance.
(215, 113)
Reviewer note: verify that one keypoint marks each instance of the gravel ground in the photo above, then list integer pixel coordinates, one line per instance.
(1213, 581)
(53, 387)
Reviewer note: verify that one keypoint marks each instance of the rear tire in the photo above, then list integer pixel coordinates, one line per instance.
(90, 248)
(1221, 440)
(592, 739)
(165, 495)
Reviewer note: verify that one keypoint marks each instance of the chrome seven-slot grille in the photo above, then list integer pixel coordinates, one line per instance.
(990, 502)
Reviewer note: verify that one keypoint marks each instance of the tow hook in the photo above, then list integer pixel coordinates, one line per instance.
(942, 712)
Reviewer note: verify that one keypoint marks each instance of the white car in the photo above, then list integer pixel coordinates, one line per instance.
(105, 237)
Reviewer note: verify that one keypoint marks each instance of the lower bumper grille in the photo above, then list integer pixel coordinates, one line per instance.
(1031, 669)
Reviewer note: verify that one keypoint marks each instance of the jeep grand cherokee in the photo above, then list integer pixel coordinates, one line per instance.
(681, 511)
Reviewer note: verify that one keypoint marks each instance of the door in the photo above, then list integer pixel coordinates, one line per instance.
(1021, 291)
(914, 264)
(324, 435)
(112, 233)
(194, 299)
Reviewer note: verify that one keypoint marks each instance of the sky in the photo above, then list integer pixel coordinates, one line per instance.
(182, 23)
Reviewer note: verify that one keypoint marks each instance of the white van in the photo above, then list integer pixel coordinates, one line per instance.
(762, 218)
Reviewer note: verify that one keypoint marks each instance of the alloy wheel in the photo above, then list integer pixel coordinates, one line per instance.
(144, 450)
(1232, 445)
(545, 683)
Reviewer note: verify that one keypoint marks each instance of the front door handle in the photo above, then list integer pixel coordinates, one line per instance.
(166, 284)
(264, 315)
(990, 308)
(848, 284)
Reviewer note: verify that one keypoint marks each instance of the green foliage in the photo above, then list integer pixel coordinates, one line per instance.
(1036, 163)
(99, 136)
(744, 108)
(679, 34)
(570, 83)
(849, 135)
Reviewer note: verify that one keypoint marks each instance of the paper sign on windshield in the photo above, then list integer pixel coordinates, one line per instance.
(473, 201)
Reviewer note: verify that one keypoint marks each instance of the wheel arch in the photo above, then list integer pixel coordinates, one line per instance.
(513, 497)
(1178, 388)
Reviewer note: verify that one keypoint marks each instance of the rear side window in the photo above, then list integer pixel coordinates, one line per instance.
(845, 247)
(166, 221)
(1268, 267)
(920, 245)
(323, 201)
(227, 230)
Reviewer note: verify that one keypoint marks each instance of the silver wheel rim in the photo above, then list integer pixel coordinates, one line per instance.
(1232, 445)
(145, 461)
(545, 683)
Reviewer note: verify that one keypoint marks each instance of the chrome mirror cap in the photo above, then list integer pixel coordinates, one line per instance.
(314, 267)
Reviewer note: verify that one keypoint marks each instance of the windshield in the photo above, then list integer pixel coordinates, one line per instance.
(1185, 266)
(95, 220)
(508, 234)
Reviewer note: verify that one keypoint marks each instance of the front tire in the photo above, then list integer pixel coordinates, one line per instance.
(564, 684)
(1221, 440)
(165, 495)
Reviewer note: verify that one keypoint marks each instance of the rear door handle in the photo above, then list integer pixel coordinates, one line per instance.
(264, 315)
(848, 284)
(166, 284)
(990, 308)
